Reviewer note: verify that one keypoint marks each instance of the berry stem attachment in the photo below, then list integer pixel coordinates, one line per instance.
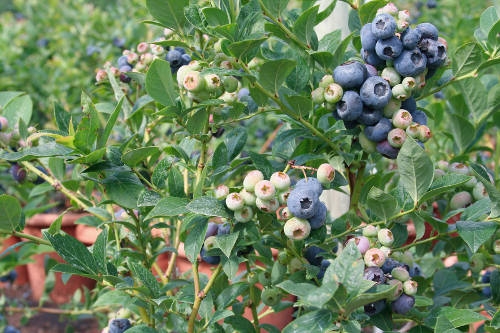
(253, 307)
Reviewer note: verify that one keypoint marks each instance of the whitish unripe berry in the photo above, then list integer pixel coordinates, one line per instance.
(267, 206)
(264, 190)
(460, 200)
(385, 237)
(221, 192)
(209, 243)
(398, 291)
(424, 133)
(248, 197)
(194, 82)
(333, 93)
(318, 95)
(471, 183)
(410, 287)
(325, 173)
(479, 191)
(280, 180)
(400, 273)
(443, 165)
(4, 123)
(413, 131)
(234, 201)
(181, 74)
(244, 215)
(402, 119)
(374, 257)
(391, 75)
(283, 197)
(362, 243)
(459, 168)
(409, 83)
(396, 137)
(252, 178)
(212, 82)
(400, 92)
(404, 15)
(228, 97)
(325, 81)
(370, 231)
(389, 8)
(297, 228)
(438, 173)
(386, 250)
(392, 107)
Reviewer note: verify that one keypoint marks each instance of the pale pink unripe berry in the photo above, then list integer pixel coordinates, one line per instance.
(101, 75)
(280, 180)
(459, 168)
(252, 178)
(244, 215)
(139, 67)
(264, 190)
(333, 93)
(147, 58)
(424, 133)
(362, 243)
(284, 213)
(325, 173)
(396, 137)
(297, 228)
(398, 291)
(443, 165)
(404, 15)
(268, 206)
(212, 82)
(132, 58)
(438, 173)
(387, 250)
(410, 287)
(402, 119)
(221, 192)
(479, 191)
(402, 25)
(400, 92)
(248, 197)
(374, 257)
(142, 47)
(400, 273)
(389, 8)
(413, 131)
(460, 200)
(385, 237)
(370, 231)
(234, 201)
(471, 183)
(194, 82)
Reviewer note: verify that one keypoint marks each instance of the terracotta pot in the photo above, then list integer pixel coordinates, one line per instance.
(278, 319)
(22, 272)
(62, 292)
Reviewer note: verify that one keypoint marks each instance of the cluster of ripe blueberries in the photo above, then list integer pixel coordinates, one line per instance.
(378, 94)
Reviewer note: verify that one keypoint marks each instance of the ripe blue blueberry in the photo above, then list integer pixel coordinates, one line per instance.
(212, 260)
(374, 274)
(310, 183)
(434, 51)
(428, 30)
(185, 59)
(350, 75)
(371, 58)
(174, 57)
(9, 277)
(409, 105)
(119, 325)
(350, 107)
(302, 202)
(122, 61)
(18, 173)
(375, 307)
(390, 264)
(403, 304)
(224, 228)
(415, 270)
(389, 48)
(322, 268)
(410, 38)
(212, 229)
(368, 39)
(319, 217)
(419, 117)
(369, 116)
(312, 255)
(375, 92)
(11, 329)
(371, 70)
(386, 150)
(378, 132)
(383, 26)
(410, 62)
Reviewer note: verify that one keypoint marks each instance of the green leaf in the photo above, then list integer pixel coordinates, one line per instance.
(195, 238)
(301, 105)
(246, 49)
(330, 41)
(314, 321)
(261, 163)
(141, 329)
(73, 252)
(467, 58)
(415, 169)
(382, 204)
(148, 198)
(226, 242)
(229, 295)
(207, 206)
(340, 53)
(220, 157)
(248, 19)
(147, 278)
(444, 184)
(376, 293)
(309, 294)
(304, 26)
(62, 118)
(193, 16)
(446, 280)
(160, 173)
(136, 156)
(495, 321)
(235, 141)
(123, 188)
(493, 38)
(473, 92)
(215, 16)
(239, 324)
(460, 317)
(110, 124)
(488, 19)
(368, 11)
(493, 193)
(475, 233)
(159, 82)
(113, 297)
(175, 182)
(197, 121)
(275, 7)
(10, 213)
(274, 73)
(462, 130)
(300, 76)
(170, 13)
(19, 108)
(168, 207)
(99, 251)
(231, 265)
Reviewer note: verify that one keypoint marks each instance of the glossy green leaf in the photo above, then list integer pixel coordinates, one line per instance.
(248, 19)
(215, 16)
(299, 77)
(368, 11)
(304, 26)
(444, 184)
(309, 294)
(110, 124)
(229, 295)
(43, 150)
(175, 182)
(301, 105)
(19, 108)
(136, 156)
(168, 207)
(207, 206)
(169, 13)
(235, 141)
(99, 251)
(123, 188)
(488, 19)
(275, 7)
(160, 84)
(10, 213)
(246, 49)
(261, 163)
(220, 157)
(87, 131)
(146, 278)
(493, 38)
(314, 321)
(382, 204)
(473, 92)
(239, 324)
(467, 58)
(460, 317)
(339, 56)
(475, 233)
(160, 173)
(62, 118)
(446, 280)
(330, 41)
(193, 16)
(148, 198)
(493, 193)
(226, 243)
(274, 73)
(463, 132)
(415, 169)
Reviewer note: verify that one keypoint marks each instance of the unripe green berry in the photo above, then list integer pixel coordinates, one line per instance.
(221, 192)
(385, 237)
(325, 173)
(297, 228)
(234, 201)
(424, 133)
(325, 81)
(374, 257)
(400, 273)
(471, 183)
(252, 178)
(212, 82)
(230, 84)
(396, 137)
(280, 180)
(443, 165)
(368, 145)
(295, 265)
(392, 107)
(399, 92)
(271, 296)
(370, 231)
(244, 215)
(479, 191)
(229, 97)
(318, 95)
(333, 93)
(391, 75)
(264, 190)
(283, 196)
(194, 82)
(209, 243)
(410, 287)
(248, 197)
(265, 278)
(477, 262)
(409, 83)
(267, 206)
(252, 278)
(460, 200)
(402, 119)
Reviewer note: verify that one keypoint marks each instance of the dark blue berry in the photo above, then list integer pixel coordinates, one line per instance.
(350, 75)
(42, 42)
(119, 325)
(389, 48)
(375, 92)
(350, 107)
(322, 268)
(384, 26)
(378, 132)
(370, 117)
(371, 58)
(410, 38)
(125, 68)
(125, 78)
(428, 30)
(10, 329)
(431, 4)
(486, 291)
(302, 202)
(368, 39)
(312, 255)
(18, 173)
(123, 61)
(92, 49)
(180, 49)
(434, 51)
(186, 59)
(319, 217)
(224, 229)
(371, 70)
(118, 42)
(419, 117)
(374, 274)
(485, 278)
(403, 304)
(409, 104)
(390, 264)
(375, 307)
(310, 183)
(410, 63)
(212, 260)
(415, 270)
(386, 150)
(174, 57)
(212, 229)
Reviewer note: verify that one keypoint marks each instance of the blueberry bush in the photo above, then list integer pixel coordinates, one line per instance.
(218, 141)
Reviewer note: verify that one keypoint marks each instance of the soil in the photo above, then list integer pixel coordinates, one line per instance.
(17, 296)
